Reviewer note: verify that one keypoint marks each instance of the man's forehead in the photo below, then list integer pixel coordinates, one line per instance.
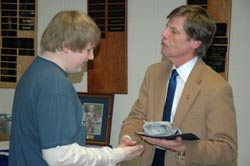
(176, 22)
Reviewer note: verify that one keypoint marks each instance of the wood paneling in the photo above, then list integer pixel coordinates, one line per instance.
(108, 72)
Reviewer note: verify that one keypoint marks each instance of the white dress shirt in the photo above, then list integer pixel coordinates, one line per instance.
(183, 71)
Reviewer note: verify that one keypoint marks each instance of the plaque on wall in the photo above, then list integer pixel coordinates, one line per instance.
(217, 65)
(221, 29)
(220, 40)
(17, 40)
(218, 53)
(197, 2)
(111, 18)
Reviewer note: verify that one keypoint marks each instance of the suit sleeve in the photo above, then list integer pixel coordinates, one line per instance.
(135, 120)
(220, 146)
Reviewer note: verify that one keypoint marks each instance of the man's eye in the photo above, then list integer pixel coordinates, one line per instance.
(174, 31)
(89, 50)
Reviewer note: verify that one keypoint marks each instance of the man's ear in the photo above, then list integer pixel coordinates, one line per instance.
(65, 48)
(196, 43)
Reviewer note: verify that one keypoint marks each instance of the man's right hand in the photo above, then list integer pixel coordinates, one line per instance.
(130, 148)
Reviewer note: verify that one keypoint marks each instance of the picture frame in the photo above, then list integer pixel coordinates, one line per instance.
(98, 109)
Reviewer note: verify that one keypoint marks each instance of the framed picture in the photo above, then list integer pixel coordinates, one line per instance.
(98, 109)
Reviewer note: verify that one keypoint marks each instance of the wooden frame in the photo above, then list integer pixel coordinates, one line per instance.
(98, 109)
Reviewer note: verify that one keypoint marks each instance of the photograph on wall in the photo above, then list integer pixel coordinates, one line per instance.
(94, 115)
(98, 110)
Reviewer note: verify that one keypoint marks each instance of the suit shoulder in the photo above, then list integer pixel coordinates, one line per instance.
(159, 66)
(213, 74)
(214, 78)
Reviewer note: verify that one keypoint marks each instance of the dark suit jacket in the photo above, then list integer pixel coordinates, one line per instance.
(205, 108)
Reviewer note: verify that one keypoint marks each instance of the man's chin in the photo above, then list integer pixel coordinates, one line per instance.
(164, 53)
(78, 70)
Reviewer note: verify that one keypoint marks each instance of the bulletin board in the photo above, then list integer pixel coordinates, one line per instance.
(18, 40)
(217, 56)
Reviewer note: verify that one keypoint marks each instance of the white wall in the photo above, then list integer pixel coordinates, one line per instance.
(239, 79)
(146, 20)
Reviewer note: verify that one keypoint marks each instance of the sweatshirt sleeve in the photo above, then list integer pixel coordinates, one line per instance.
(75, 154)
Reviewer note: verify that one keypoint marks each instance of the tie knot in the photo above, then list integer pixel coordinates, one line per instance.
(174, 74)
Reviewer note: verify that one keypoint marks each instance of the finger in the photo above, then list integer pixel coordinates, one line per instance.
(179, 139)
(130, 143)
(124, 139)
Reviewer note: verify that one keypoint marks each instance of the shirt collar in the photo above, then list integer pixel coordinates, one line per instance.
(185, 69)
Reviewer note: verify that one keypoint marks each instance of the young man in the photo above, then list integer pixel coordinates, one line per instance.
(202, 102)
(48, 125)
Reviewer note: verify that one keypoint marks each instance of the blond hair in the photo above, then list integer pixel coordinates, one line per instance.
(72, 29)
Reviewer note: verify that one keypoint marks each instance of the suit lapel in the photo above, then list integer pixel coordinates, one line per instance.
(189, 93)
(161, 90)
(188, 96)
